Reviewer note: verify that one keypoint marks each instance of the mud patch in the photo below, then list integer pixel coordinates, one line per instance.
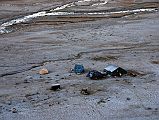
(155, 62)
(134, 73)
(90, 90)
(104, 58)
(85, 91)
(86, 88)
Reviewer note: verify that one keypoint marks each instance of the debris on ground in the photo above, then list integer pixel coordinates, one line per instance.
(155, 62)
(128, 98)
(148, 108)
(78, 69)
(43, 71)
(113, 70)
(14, 110)
(95, 75)
(101, 101)
(85, 91)
(27, 79)
(133, 73)
(55, 87)
(104, 58)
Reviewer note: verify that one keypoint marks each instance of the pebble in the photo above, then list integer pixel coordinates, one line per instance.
(14, 110)
(149, 108)
(43, 71)
(101, 101)
(85, 91)
(127, 98)
(27, 79)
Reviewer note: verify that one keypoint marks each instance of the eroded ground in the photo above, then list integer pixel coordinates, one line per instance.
(58, 43)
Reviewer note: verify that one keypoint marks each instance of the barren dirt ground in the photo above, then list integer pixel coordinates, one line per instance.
(130, 41)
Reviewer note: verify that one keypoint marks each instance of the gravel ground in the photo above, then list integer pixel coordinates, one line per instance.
(58, 43)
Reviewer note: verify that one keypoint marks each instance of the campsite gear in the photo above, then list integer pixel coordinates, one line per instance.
(113, 70)
(95, 75)
(78, 69)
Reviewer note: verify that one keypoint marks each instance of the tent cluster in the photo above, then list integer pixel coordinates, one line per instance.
(109, 71)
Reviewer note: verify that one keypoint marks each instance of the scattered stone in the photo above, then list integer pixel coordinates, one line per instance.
(95, 75)
(101, 101)
(127, 81)
(43, 71)
(155, 62)
(31, 94)
(133, 73)
(9, 103)
(55, 87)
(17, 83)
(14, 110)
(148, 108)
(85, 91)
(1, 109)
(47, 82)
(27, 79)
(78, 69)
(128, 99)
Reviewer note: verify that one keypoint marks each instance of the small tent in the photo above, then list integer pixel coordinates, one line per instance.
(113, 70)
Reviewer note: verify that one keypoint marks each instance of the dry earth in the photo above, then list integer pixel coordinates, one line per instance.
(58, 43)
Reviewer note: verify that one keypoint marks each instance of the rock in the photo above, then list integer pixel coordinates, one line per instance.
(127, 98)
(27, 79)
(101, 101)
(43, 71)
(85, 91)
(14, 110)
(55, 87)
